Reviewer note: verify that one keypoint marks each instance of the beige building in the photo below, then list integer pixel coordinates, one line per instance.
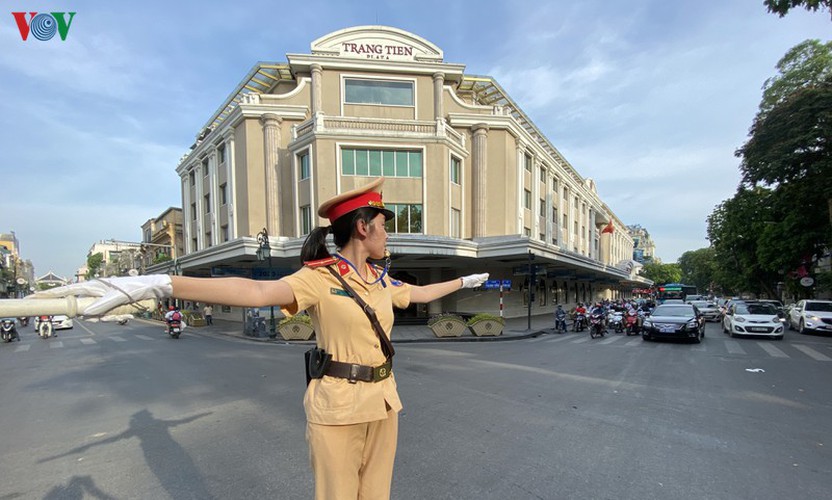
(644, 249)
(476, 186)
(162, 238)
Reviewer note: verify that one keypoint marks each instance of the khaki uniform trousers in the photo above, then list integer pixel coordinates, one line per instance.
(353, 462)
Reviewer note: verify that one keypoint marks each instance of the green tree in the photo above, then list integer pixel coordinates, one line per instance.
(94, 262)
(807, 64)
(782, 7)
(661, 273)
(698, 268)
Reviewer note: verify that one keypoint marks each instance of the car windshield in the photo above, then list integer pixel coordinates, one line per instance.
(819, 306)
(681, 311)
(767, 309)
(702, 303)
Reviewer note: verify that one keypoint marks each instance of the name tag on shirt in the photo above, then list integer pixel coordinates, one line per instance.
(339, 291)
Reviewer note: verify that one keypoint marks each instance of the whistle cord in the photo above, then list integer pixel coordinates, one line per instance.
(383, 273)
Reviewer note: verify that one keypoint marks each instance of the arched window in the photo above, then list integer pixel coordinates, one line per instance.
(541, 290)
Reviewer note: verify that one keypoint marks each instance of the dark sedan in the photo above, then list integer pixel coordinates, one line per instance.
(676, 321)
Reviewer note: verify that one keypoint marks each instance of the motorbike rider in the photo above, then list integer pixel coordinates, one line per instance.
(580, 315)
(560, 319)
(173, 316)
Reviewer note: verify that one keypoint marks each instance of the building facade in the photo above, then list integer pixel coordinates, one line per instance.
(475, 185)
(17, 275)
(117, 257)
(162, 238)
(644, 249)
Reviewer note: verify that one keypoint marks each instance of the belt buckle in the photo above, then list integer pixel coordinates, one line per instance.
(353, 378)
(381, 372)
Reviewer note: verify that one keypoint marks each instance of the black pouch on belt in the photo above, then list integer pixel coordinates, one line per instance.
(317, 362)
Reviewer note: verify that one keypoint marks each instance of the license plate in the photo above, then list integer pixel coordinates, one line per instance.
(757, 329)
(667, 329)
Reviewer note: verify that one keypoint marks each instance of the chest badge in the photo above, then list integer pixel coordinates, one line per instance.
(339, 291)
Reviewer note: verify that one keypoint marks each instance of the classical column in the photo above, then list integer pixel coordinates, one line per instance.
(271, 143)
(605, 245)
(316, 87)
(232, 184)
(438, 82)
(479, 172)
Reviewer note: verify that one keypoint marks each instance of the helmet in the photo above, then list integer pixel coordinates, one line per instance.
(171, 308)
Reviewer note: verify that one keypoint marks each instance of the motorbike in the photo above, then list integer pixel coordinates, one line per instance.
(616, 321)
(174, 328)
(631, 322)
(23, 320)
(596, 325)
(580, 322)
(560, 322)
(8, 331)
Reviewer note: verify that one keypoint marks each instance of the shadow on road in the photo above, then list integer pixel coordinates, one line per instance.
(78, 488)
(169, 462)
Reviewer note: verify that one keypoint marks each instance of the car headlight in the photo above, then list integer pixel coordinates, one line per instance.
(739, 319)
(775, 319)
(648, 323)
(692, 323)
(814, 318)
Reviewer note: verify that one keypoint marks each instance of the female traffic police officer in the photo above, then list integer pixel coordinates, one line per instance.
(352, 408)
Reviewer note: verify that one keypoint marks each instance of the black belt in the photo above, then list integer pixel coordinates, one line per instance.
(364, 373)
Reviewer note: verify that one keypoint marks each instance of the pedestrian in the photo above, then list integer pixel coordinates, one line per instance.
(351, 401)
(208, 312)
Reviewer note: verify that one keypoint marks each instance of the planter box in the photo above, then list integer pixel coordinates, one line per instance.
(450, 326)
(487, 327)
(296, 331)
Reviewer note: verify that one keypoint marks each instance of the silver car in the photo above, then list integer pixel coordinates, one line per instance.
(709, 310)
(811, 315)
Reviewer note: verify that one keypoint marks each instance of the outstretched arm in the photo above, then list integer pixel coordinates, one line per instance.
(428, 293)
(239, 292)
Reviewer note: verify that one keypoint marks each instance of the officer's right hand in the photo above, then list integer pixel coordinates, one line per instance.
(473, 280)
(114, 292)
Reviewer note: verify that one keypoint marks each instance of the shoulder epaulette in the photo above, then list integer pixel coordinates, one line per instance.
(321, 262)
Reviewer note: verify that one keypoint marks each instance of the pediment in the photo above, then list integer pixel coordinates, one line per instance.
(377, 43)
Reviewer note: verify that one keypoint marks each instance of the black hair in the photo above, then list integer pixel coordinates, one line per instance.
(314, 247)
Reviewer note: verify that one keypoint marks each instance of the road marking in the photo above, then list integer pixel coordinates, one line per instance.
(117, 339)
(772, 351)
(581, 340)
(610, 340)
(56, 345)
(635, 341)
(559, 338)
(812, 353)
(734, 347)
(23, 348)
(144, 337)
(88, 341)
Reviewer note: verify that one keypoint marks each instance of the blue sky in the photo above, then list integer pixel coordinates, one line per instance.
(649, 98)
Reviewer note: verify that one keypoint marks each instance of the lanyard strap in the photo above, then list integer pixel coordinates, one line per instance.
(386, 345)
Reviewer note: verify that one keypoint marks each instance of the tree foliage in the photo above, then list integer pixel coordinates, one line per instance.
(782, 7)
(94, 262)
(698, 268)
(807, 64)
(661, 273)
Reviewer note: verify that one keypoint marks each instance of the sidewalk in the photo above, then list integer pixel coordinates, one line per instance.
(515, 329)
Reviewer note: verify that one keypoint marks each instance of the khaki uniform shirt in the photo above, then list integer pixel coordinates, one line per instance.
(343, 330)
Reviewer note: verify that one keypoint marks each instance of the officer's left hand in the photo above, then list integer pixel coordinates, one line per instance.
(473, 280)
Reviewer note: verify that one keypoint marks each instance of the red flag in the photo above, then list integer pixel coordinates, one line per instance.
(608, 229)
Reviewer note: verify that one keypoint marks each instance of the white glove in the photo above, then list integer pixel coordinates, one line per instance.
(473, 280)
(114, 292)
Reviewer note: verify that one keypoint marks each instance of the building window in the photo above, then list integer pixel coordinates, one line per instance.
(194, 245)
(554, 240)
(527, 232)
(206, 167)
(555, 214)
(527, 163)
(543, 208)
(305, 219)
(378, 162)
(575, 229)
(192, 178)
(456, 170)
(456, 223)
(565, 195)
(303, 167)
(542, 237)
(224, 194)
(193, 211)
(207, 239)
(565, 224)
(408, 218)
(207, 203)
(384, 92)
(555, 185)
(543, 175)
(224, 232)
(541, 293)
(527, 199)
(221, 153)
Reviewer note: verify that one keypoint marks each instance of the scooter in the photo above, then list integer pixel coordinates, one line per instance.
(631, 322)
(596, 325)
(8, 332)
(174, 328)
(560, 321)
(43, 325)
(616, 321)
(23, 320)
(580, 322)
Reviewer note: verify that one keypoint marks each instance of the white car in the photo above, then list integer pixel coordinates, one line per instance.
(811, 315)
(59, 322)
(752, 318)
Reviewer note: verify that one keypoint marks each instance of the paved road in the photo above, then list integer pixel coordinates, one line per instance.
(104, 411)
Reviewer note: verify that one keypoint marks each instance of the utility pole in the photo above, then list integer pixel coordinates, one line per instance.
(532, 287)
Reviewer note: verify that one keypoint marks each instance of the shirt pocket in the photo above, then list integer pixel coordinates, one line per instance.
(333, 394)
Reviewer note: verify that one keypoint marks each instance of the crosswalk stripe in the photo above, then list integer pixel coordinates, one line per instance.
(610, 340)
(88, 341)
(734, 347)
(634, 342)
(581, 340)
(560, 338)
(145, 337)
(812, 353)
(772, 351)
(56, 345)
(23, 348)
(117, 339)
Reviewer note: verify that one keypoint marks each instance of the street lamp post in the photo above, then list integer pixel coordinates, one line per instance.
(264, 251)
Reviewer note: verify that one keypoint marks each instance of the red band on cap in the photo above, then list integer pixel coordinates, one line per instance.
(371, 199)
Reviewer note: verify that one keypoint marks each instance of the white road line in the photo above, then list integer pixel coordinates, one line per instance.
(581, 340)
(88, 341)
(560, 337)
(812, 353)
(144, 337)
(610, 340)
(56, 344)
(734, 347)
(22, 348)
(635, 342)
(772, 351)
(117, 339)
